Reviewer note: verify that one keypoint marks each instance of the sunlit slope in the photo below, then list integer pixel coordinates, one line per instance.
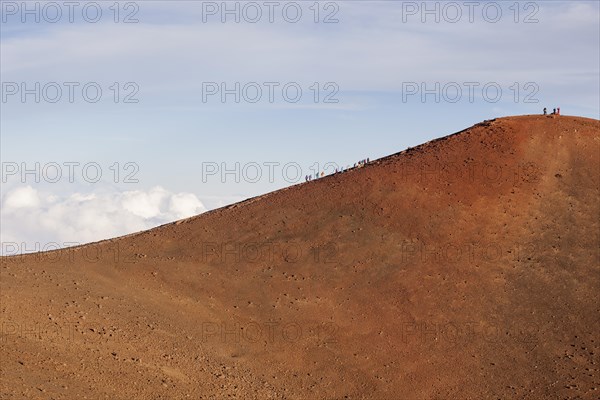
(467, 267)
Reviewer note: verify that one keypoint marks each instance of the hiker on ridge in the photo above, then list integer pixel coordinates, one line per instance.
(545, 111)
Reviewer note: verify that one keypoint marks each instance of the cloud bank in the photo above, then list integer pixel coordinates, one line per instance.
(33, 219)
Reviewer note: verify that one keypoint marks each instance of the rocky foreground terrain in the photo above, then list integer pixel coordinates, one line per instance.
(467, 267)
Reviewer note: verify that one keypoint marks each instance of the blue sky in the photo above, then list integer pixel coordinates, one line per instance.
(372, 57)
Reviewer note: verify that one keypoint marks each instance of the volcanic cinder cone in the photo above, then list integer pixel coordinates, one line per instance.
(467, 267)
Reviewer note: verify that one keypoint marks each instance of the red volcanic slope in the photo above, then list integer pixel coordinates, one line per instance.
(467, 267)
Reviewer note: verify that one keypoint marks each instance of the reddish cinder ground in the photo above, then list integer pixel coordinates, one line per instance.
(467, 267)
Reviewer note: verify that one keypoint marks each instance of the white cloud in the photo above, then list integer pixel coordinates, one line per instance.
(25, 197)
(184, 204)
(35, 218)
(371, 49)
(144, 204)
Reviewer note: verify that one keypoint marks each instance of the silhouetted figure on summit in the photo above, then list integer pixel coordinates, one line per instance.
(545, 111)
(558, 111)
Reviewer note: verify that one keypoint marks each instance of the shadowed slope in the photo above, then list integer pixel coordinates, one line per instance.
(463, 268)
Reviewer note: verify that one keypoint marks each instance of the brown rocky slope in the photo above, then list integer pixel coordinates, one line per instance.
(467, 267)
